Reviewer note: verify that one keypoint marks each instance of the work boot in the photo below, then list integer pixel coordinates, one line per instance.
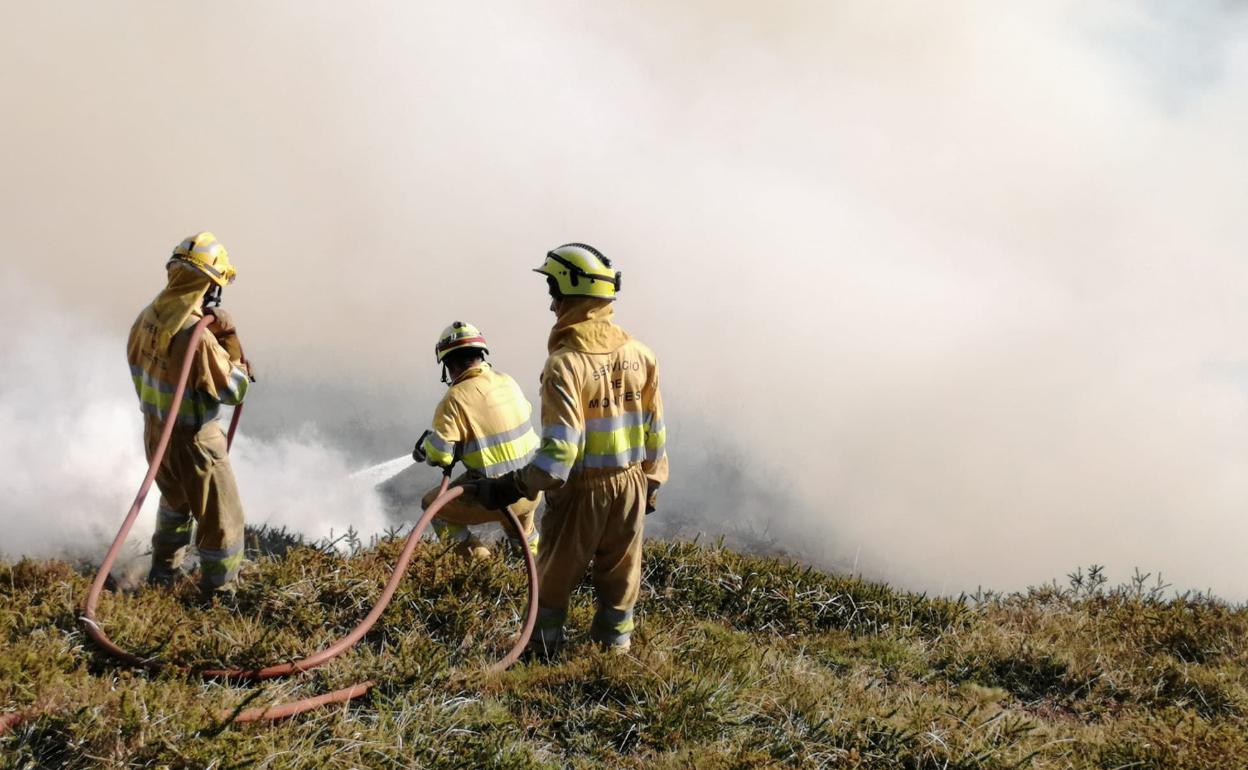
(517, 547)
(471, 549)
(162, 578)
(618, 647)
(612, 629)
(541, 651)
(167, 566)
(226, 597)
(545, 643)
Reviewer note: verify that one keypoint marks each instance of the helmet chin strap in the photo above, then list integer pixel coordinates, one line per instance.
(448, 380)
(212, 297)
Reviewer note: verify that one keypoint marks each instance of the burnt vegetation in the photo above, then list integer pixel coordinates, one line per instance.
(739, 662)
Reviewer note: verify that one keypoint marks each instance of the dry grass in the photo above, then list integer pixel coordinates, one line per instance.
(739, 662)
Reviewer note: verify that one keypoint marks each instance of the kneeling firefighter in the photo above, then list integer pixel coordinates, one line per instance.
(602, 456)
(195, 479)
(482, 421)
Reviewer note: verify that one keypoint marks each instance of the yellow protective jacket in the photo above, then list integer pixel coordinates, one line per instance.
(485, 417)
(601, 405)
(158, 344)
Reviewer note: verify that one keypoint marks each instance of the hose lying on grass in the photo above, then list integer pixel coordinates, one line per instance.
(93, 629)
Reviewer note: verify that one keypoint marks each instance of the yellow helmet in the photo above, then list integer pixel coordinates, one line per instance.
(579, 270)
(457, 336)
(203, 252)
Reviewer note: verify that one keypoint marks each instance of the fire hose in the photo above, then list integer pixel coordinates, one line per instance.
(96, 632)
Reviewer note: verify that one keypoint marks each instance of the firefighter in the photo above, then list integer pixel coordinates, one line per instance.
(482, 421)
(602, 456)
(195, 479)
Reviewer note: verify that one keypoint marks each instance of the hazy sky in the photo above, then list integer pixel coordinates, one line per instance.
(964, 278)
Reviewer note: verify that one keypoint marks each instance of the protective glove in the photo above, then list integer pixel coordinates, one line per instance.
(229, 341)
(418, 454)
(496, 494)
(652, 497)
(223, 328)
(222, 323)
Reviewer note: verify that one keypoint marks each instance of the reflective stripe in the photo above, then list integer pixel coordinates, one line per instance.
(560, 432)
(610, 442)
(552, 466)
(619, 460)
(438, 451)
(548, 618)
(559, 449)
(615, 620)
(656, 433)
(617, 421)
(441, 444)
(614, 441)
(235, 387)
(148, 381)
(478, 444)
(506, 466)
(218, 567)
(492, 454)
(172, 528)
(216, 556)
(185, 420)
(197, 407)
(612, 626)
(656, 440)
(501, 452)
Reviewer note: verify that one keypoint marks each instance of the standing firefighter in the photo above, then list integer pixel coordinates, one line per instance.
(482, 421)
(195, 479)
(602, 455)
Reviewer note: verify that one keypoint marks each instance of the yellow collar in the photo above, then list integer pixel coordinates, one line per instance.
(470, 372)
(586, 325)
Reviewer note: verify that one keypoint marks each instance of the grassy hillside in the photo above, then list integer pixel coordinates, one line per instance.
(739, 662)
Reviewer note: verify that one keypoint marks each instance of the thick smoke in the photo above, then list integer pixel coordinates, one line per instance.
(962, 281)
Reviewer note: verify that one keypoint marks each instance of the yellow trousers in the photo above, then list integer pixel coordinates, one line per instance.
(597, 518)
(196, 485)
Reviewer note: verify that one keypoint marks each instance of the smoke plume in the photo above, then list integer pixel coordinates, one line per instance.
(946, 293)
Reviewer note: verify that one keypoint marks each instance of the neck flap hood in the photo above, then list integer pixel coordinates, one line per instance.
(181, 298)
(586, 325)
